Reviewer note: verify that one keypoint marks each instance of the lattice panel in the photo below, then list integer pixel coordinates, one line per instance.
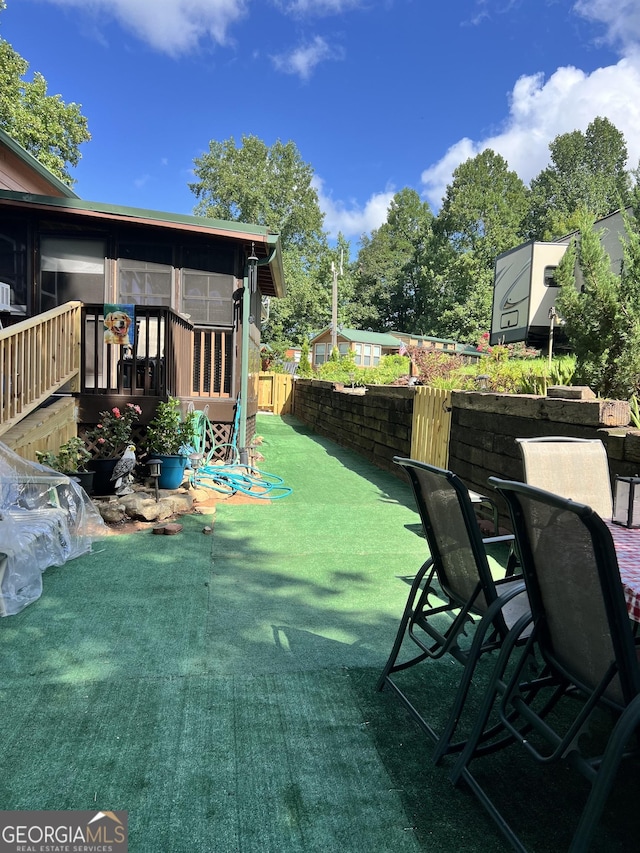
(138, 437)
(221, 433)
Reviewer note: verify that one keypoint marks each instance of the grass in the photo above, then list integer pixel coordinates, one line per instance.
(221, 688)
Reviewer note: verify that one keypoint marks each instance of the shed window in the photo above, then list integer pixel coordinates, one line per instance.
(320, 353)
(343, 348)
(550, 277)
(144, 283)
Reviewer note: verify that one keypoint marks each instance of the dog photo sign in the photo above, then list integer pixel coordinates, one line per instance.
(119, 324)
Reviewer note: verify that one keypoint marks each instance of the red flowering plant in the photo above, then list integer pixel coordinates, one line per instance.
(112, 434)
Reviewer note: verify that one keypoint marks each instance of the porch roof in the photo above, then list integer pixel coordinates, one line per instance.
(267, 244)
(35, 165)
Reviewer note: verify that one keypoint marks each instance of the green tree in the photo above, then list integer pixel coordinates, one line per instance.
(588, 170)
(306, 305)
(304, 367)
(43, 124)
(388, 288)
(272, 186)
(483, 214)
(602, 313)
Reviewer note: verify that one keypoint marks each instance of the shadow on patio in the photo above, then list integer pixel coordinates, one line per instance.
(222, 688)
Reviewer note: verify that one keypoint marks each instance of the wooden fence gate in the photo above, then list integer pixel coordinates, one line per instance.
(275, 393)
(431, 426)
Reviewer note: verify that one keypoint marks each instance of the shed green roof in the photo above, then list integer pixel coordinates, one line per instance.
(427, 338)
(362, 337)
(114, 210)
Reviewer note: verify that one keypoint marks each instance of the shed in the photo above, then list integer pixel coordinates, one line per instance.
(367, 347)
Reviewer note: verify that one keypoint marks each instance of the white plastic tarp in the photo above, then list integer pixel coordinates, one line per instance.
(46, 518)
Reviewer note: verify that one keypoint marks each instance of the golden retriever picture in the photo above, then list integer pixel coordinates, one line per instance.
(118, 320)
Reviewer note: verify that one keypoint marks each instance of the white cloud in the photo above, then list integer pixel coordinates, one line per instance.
(620, 18)
(304, 59)
(317, 7)
(170, 26)
(540, 111)
(352, 222)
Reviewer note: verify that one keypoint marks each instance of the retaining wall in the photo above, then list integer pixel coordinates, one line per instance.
(375, 424)
(484, 426)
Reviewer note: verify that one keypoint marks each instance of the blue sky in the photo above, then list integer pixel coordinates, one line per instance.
(376, 94)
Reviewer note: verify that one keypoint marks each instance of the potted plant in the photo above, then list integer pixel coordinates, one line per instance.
(108, 441)
(71, 459)
(170, 439)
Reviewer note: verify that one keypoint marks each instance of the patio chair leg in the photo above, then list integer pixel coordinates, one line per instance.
(487, 704)
(444, 746)
(404, 622)
(622, 732)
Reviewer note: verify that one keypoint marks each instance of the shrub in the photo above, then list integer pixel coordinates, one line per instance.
(169, 434)
(112, 435)
(70, 458)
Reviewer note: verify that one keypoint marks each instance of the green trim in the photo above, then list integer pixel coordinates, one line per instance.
(115, 210)
(34, 164)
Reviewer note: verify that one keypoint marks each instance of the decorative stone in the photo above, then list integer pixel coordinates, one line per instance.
(172, 529)
(207, 529)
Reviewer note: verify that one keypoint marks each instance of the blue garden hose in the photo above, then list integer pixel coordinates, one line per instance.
(231, 477)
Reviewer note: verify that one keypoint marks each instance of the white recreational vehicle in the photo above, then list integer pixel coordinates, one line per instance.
(524, 287)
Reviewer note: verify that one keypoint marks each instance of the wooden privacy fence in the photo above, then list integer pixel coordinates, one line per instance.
(275, 393)
(431, 426)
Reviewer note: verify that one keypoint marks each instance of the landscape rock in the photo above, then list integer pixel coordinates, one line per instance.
(112, 512)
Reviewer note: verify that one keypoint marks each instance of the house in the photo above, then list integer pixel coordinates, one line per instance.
(367, 347)
(411, 340)
(195, 284)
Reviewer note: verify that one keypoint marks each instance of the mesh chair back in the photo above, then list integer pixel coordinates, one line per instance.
(453, 534)
(576, 596)
(575, 468)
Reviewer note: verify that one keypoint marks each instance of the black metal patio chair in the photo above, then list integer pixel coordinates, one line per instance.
(576, 468)
(582, 632)
(452, 591)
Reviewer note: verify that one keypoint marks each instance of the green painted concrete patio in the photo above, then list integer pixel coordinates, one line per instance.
(221, 689)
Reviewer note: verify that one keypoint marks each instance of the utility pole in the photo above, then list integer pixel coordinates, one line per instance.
(334, 304)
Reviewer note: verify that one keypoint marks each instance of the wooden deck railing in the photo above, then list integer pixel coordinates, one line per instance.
(168, 357)
(156, 365)
(37, 358)
(65, 347)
